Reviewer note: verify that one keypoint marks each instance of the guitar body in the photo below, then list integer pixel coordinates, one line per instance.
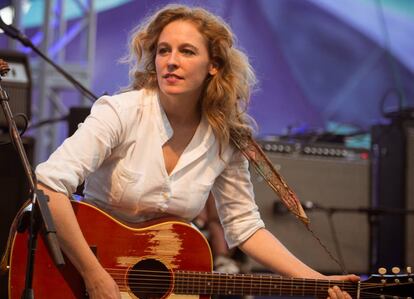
(169, 259)
(122, 249)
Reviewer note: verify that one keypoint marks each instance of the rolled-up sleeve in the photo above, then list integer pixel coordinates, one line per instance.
(85, 150)
(233, 191)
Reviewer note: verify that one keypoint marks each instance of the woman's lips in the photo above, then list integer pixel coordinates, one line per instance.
(172, 78)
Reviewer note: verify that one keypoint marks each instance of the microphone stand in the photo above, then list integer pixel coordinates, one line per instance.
(372, 213)
(15, 33)
(40, 213)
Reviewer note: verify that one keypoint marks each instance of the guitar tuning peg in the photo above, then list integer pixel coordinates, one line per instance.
(409, 270)
(395, 270)
(382, 271)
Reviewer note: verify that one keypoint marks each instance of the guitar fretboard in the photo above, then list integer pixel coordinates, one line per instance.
(188, 282)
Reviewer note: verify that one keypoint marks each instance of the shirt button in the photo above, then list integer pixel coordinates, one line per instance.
(166, 195)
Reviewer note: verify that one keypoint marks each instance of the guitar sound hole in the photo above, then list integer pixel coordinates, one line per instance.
(149, 279)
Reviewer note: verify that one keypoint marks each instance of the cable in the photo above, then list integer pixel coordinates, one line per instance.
(15, 33)
(391, 61)
(48, 121)
(23, 130)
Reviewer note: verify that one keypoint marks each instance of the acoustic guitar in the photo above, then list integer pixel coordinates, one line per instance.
(168, 259)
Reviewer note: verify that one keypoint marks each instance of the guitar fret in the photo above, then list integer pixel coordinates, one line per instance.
(189, 284)
(182, 282)
(255, 287)
(260, 284)
(219, 284)
(208, 283)
(176, 283)
(281, 283)
(199, 282)
(227, 278)
(303, 286)
(234, 284)
(270, 285)
(185, 285)
(232, 281)
(251, 285)
(208, 280)
(242, 283)
(225, 283)
(296, 289)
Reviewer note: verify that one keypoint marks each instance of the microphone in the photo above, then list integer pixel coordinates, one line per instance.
(279, 208)
(15, 33)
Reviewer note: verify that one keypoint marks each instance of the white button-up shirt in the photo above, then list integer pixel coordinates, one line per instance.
(118, 150)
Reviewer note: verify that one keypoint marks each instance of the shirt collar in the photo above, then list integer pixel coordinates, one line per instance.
(164, 125)
(202, 140)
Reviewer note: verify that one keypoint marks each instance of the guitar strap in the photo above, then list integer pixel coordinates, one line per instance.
(258, 159)
(253, 152)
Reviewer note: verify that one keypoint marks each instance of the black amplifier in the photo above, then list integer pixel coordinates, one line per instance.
(318, 149)
(17, 84)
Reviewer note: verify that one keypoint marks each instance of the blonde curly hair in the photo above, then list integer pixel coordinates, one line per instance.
(226, 95)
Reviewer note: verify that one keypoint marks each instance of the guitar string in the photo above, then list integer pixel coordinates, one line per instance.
(318, 294)
(232, 289)
(223, 284)
(253, 289)
(242, 278)
(263, 288)
(145, 289)
(218, 277)
(228, 289)
(201, 292)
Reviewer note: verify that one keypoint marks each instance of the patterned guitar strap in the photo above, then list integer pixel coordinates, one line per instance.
(258, 159)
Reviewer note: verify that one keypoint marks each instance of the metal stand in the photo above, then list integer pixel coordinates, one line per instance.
(40, 213)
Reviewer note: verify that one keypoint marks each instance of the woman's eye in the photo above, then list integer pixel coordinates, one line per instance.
(162, 50)
(188, 52)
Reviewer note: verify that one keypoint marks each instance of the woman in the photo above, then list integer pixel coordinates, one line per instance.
(162, 146)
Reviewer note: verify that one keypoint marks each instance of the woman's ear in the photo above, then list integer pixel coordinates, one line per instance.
(212, 69)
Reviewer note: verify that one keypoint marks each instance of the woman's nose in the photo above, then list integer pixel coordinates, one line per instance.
(173, 61)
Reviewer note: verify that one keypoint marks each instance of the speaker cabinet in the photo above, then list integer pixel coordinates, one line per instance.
(77, 115)
(333, 178)
(14, 192)
(17, 84)
(409, 251)
(392, 190)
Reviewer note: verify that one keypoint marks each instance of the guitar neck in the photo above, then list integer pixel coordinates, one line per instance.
(187, 282)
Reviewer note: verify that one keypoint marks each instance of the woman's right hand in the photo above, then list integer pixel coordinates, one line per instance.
(100, 285)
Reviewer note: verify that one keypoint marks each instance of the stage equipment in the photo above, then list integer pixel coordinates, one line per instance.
(76, 116)
(332, 182)
(40, 214)
(14, 192)
(409, 235)
(392, 191)
(18, 85)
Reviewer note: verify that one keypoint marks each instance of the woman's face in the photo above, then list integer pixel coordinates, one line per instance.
(182, 62)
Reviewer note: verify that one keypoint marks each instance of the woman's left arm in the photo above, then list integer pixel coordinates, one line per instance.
(266, 249)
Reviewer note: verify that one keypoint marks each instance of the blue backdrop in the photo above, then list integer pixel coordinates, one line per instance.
(318, 61)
